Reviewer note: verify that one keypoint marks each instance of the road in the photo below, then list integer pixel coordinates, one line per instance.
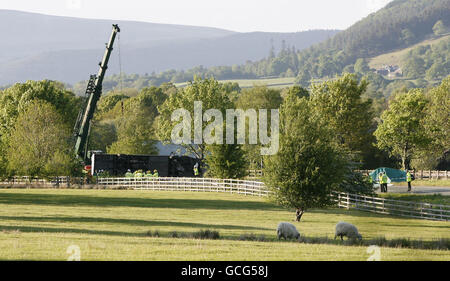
(420, 189)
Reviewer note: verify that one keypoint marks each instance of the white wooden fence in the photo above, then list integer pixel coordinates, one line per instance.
(393, 207)
(257, 188)
(189, 184)
(419, 174)
(39, 182)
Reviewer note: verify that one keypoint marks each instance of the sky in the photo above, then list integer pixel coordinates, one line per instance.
(235, 15)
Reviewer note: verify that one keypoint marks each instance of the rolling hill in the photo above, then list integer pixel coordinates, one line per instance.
(68, 49)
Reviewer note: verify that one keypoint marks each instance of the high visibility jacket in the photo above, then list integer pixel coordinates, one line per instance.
(138, 175)
(408, 177)
(196, 171)
(148, 175)
(384, 179)
(129, 175)
(155, 174)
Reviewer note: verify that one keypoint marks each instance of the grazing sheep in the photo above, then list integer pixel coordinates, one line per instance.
(287, 230)
(346, 229)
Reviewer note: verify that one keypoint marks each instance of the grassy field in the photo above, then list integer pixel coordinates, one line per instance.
(248, 83)
(40, 224)
(396, 57)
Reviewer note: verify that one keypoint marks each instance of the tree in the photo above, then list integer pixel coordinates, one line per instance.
(40, 137)
(439, 28)
(226, 161)
(210, 95)
(308, 165)
(408, 36)
(414, 67)
(402, 129)
(135, 134)
(340, 102)
(436, 126)
(303, 78)
(15, 99)
(436, 71)
(361, 66)
(258, 97)
(102, 135)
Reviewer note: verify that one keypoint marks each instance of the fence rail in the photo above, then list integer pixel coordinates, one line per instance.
(424, 174)
(393, 207)
(419, 174)
(189, 184)
(257, 188)
(39, 182)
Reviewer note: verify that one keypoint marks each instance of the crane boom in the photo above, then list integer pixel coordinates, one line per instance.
(93, 93)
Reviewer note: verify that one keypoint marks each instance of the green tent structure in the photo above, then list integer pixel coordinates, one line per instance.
(394, 175)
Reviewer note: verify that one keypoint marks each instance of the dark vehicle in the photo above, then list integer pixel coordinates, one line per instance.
(119, 164)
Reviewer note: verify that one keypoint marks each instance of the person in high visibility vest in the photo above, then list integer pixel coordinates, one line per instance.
(384, 181)
(129, 174)
(155, 173)
(380, 180)
(148, 174)
(409, 180)
(138, 174)
(196, 173)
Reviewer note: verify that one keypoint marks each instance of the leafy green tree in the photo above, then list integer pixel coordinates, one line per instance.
(439, 28)
(39, 137)
(402, 131)
(408, 36)
(340, 102)
(303, 78)
(15, 99)
(361, 66)
(436, 71)
(436, 126)
(258, 97)
(308, 165)
(226, 161)
(62, 164)
(299, 91)
(210, 93)
(135, 134)
(102, 135)
(108, 102)
(414, 67)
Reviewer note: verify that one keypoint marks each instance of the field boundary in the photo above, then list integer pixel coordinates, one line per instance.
(256, 188)
(419, 174)
(379, 205)
(393, 207)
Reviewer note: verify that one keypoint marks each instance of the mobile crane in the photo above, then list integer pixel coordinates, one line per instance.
(93, 93)
(118, 164)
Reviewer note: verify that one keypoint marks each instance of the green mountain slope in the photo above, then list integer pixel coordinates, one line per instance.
(400, 24)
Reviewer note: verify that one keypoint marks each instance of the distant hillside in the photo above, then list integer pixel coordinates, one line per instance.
(25, 34)
(68, 49)
(397, 57)
(401, 24)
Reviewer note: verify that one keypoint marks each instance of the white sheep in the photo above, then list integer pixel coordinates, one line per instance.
(346, 229)
(287, 230)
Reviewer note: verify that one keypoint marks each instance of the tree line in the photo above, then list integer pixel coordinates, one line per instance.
(407, 130)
